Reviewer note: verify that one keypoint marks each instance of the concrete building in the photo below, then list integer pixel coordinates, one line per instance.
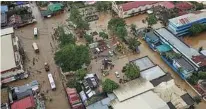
(11, 59)
(178, 46)
(136, 7)
(179, 26)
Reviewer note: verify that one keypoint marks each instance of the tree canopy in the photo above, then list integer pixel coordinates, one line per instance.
(103, 35)
(103, 6)
(88, 38)
(197, 28)
(73, 83)
(151, 19)
(133, 43)
(131, 71)
(109, 85)
(71, 57)
(76, 18)
(117, 26)
(64, 38)
(80, 74)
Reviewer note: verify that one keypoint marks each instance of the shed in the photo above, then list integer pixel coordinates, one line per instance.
(163, 48)
(55, 7)
(4, 8)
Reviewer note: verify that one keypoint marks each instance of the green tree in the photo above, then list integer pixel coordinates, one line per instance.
(131, 71)
(76, 18)
(73, 83)
(103, 35)
(133, 43)
(193, 79)
(80, 74)
(64, 38)
(71, 57)
(151, 19)
(202, 75)
(88, 38)
(109, 85)
(103, 6)
(114, 23)
(121, 32)
(133, 27)
(197, 28)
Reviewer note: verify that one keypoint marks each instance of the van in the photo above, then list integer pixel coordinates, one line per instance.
(35, 47)
(35, 32)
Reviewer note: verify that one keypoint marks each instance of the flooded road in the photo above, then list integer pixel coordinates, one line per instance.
(47, 49)
(196, 41)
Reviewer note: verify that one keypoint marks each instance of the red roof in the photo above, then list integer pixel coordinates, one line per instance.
(136, 4)
(183, 6)
(168, 4)
(200, 60)
(24, 103)
(74, 99)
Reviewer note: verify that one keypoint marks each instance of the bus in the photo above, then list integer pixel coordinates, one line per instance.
(35, 32)
(51, 81)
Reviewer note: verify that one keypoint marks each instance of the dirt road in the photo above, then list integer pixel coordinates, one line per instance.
(47, 49)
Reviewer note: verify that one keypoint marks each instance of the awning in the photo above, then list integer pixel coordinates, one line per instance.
(163, 48)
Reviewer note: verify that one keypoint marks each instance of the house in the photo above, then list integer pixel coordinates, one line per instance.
(15, 21)
(202, 86)
(143, 63)
(164, 78)
(25, 103)
(11, 57)
(152, 40)
(183, 6)
(178, 46)
(24, 90)
(136, 7)
(146, 100)
(92, 80)
(180, 25)
(74, 98)
(102, 104)
(173, 95)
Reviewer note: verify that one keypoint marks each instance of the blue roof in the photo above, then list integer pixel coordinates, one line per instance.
(163, 48)
(152, 37)
(19, 2)
(4, 8)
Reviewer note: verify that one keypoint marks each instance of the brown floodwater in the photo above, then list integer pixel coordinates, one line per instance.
(196, 41)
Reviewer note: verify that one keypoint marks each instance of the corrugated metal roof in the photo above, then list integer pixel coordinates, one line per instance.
(136, 4)
(7, 31)
(4, 8)
(25, 103)
(7, 53)
(152, 73)
(147, 100)
(132, 88)
(143, 63)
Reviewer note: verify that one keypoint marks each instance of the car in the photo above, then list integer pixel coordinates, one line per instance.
(117, 74)
(108, 46)
(111, 53)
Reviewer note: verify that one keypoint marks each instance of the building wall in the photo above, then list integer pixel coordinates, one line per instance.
(135, 11)
(184, 29)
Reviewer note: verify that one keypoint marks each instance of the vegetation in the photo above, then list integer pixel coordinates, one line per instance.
(76, 18)
(109, 85)
(63, 38)
(103, 6)
(88, 38)
(72, 57)
(42, 3)
(103, 35)
(151, 19)
(133, 43)
(195, 77)
(131, 71)
(80, 74)
(198, 6)
(197, 28)
(73, 83)
(117, 26)
(172, 55)
(133, 28)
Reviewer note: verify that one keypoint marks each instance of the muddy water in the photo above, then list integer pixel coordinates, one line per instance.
(46, 46)
(196, 41)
